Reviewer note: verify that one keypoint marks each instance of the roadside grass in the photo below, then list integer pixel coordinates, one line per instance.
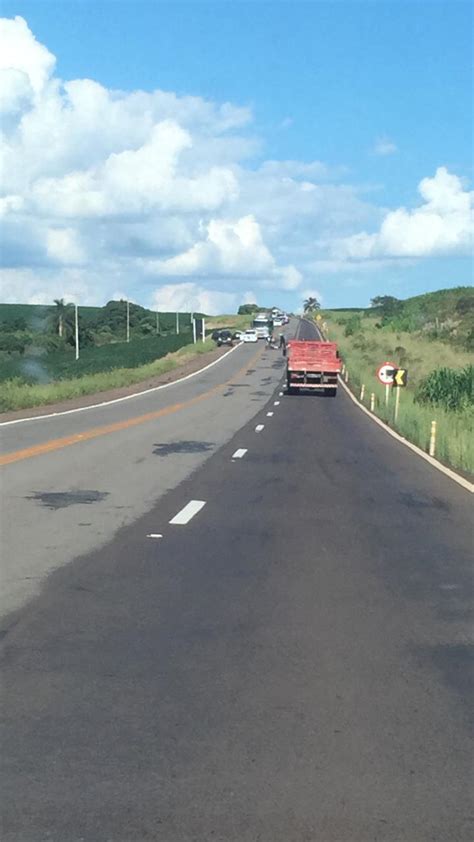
(367, 348)
(232, 322)
(15, 394)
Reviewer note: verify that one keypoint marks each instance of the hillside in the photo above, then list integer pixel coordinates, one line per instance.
(446, 315)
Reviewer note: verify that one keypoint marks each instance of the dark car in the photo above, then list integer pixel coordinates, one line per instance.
(224, 338)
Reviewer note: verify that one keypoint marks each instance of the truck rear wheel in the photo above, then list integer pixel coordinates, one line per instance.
(331, 392)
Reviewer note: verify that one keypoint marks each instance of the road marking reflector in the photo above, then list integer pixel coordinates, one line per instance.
(192, 508)
(259, 428)
(269, 414)
(154, 535)
(239, 453)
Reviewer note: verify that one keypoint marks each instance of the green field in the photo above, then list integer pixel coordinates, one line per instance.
(16, 394)
(62, 365)
(365, 344)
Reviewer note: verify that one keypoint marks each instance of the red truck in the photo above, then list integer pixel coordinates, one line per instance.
(312, 365)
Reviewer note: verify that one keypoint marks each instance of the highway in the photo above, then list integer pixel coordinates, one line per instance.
(256, 623)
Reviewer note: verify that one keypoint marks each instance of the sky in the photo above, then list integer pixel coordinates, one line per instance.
(200, 155)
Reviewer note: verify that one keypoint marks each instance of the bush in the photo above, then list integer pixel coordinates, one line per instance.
(11, 344)
(447, 387)
(354, 325)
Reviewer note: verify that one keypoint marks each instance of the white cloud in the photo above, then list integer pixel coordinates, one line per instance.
(25, 64)
(442, 225)
(107, 190)
(384, 146)
(190, 297)
(63, 245)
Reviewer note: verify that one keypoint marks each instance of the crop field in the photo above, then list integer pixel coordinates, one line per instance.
(62, 365)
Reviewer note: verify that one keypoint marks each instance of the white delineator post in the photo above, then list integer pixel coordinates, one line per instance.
(76, 329)
(346, 376)
(362, 392)
(157, 324)
(194, 331)
(387, 394)
(432, 449)
(372, 401)
(203, 329)
(177, 324)
(128, 320)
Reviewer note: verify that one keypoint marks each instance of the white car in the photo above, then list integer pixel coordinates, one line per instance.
(249, 336)
(278, 322)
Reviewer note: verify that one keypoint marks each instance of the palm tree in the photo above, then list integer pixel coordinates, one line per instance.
(61, 316)
(311, 304)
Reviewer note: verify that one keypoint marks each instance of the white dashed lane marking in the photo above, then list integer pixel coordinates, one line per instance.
(276, 403)
(154, 535)
(239, 453)
(259, 428)
(184, 516)
(269, 414)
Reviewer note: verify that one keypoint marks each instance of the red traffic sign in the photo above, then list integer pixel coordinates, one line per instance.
(386, 372)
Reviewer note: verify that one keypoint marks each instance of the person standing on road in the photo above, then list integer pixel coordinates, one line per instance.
(283, 343)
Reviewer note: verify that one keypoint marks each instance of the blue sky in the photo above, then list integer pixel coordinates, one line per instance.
(378, 93)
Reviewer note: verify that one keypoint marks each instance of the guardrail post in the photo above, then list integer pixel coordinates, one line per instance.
(362, 392)
(432, 449)
(372, 401)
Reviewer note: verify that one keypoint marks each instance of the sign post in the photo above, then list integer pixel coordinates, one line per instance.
(400, 379)
(385, 374)
(397, 404)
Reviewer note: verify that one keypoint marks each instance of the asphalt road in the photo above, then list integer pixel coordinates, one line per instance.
(289, 665)
(77, 478)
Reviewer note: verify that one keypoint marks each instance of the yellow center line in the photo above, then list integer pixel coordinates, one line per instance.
(95, 432)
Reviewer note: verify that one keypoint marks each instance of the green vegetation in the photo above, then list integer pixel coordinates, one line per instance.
(430, 336)
(17, 394)
(450, 388)
(60, 365)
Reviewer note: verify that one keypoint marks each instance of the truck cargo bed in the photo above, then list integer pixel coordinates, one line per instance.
(313, 365)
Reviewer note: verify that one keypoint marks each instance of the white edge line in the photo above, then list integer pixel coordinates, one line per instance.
(124, 398)
(259, 428)
(469, 486)
(239, 453)
(184, 516)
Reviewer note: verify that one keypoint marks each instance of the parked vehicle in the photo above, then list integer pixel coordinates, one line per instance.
(224, 338)
(250, 336)
(237, 336)
(312, 365)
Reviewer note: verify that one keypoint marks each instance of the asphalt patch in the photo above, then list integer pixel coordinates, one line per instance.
(168, 448)
(63, 499)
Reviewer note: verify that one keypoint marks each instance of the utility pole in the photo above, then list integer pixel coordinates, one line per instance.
(128, 320)
(76, 329)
